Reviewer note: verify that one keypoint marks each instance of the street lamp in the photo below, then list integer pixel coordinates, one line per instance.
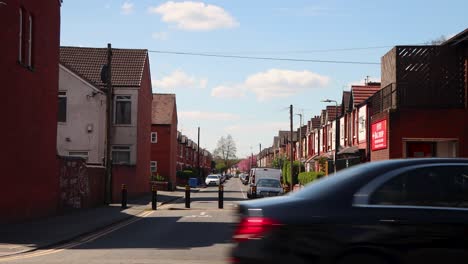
(336, 130)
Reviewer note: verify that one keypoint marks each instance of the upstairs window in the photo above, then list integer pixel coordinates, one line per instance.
(123, 110)
(154, 137)
(62, 107)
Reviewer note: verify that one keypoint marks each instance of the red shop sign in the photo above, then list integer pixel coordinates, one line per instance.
(379, 135)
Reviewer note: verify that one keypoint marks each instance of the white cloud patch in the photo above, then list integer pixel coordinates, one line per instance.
(178, 79)
(160, 35)
(127, 8)
(223, 91)
(278, 83)
(211, 116)
(194, 16)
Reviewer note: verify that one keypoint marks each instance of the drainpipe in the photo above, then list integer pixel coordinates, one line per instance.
(109, 111)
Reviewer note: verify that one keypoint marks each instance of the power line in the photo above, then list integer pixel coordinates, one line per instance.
(261, 58)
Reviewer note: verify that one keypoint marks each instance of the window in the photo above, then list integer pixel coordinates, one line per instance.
(121, 154)
(62, 107)
(123, 111)
(441, 186)
(20, 36)
(154, 166)
(81, 154)
(154, 137)
(30, 41)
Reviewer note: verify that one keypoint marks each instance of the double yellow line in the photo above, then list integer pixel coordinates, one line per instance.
(81, 241)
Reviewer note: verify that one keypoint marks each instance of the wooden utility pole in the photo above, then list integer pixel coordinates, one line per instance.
(291, 153)
(109, 111)
(198, 150)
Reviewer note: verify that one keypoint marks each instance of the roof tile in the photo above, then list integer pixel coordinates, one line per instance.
(163, 109)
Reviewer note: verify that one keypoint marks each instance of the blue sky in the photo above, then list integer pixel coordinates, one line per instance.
(249, 99)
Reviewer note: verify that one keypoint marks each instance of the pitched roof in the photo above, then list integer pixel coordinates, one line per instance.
(315, 122)
(127, 64)
(333, 112)
(360, 93)
(346, 99)
(163, 109)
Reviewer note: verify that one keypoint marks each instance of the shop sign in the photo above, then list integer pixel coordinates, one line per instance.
(379, 135)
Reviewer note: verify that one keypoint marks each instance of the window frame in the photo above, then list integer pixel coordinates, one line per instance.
(155, 134)
(128, 148)
(362, 196)
(155, 162)
(62, 94)
(116, 101)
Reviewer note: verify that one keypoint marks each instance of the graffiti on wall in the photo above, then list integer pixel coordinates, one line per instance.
(74, 183)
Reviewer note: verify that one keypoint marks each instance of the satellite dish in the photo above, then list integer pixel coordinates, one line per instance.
(104, 75)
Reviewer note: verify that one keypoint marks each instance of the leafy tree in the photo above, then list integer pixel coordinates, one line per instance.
(226, 150)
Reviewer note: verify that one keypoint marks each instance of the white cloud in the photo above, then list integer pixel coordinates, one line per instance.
(194, 16)
(211, 116)
(160, 35)
(127, 8)
(277, 83)
(223, 91)
(179, 79)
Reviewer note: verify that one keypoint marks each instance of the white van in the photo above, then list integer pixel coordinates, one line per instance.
(260, 173)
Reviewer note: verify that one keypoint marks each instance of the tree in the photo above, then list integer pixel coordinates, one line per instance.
(226, 150)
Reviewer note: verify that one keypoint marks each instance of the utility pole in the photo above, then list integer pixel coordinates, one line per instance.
(109, 110)
(259, 154)
(198, 151)
(300, 142)
(291, 145)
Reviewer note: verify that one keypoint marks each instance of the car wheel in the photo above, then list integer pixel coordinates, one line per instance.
(362, 258)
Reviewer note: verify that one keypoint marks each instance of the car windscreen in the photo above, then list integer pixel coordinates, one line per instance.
(268, 183)
(212, 177)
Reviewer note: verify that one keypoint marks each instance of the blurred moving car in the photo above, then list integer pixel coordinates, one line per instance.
(394, 211)
(266, 187)
(213, 179)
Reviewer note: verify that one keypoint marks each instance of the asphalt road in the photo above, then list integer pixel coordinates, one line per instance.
(172, 234)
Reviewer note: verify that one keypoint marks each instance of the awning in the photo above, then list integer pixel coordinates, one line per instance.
(349, 150)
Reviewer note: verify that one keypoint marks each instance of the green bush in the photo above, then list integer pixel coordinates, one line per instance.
(306, 177)
(186, 174)
(286, 170)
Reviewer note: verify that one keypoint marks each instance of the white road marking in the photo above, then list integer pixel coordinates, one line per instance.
(242, 191)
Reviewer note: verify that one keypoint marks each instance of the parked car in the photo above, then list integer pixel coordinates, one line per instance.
(266, 187)
(223, 177)
(394, 211)
(259, 173)
(244, 178)
(213, 179)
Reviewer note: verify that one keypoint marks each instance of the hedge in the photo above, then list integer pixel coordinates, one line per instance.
(306, 177)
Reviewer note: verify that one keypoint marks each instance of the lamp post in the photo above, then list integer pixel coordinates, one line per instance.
(336, 131)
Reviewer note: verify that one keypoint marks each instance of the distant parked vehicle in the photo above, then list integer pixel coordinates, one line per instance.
(213, 179)
(259, 173)
(266, 187)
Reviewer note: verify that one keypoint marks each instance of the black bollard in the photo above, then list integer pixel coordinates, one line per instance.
(124, 196)
(154, 198)
(220, 196)
(187, 196)
(254, 192)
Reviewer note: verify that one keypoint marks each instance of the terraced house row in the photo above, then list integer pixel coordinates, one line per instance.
(419, 109)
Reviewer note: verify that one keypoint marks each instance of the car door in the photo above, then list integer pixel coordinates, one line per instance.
(421, 212)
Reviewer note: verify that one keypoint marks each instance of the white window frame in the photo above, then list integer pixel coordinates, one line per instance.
(30, 41)
(79, 153)
(122, 148)
(153, 166)
(122, 98)
(154, 137)
(20, 36)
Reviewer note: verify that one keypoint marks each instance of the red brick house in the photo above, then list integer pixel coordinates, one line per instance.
(29, 68)
(164, 137)
(132, 102)
(421, 110)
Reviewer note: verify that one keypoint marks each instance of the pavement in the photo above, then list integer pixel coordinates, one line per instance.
(47, 232)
